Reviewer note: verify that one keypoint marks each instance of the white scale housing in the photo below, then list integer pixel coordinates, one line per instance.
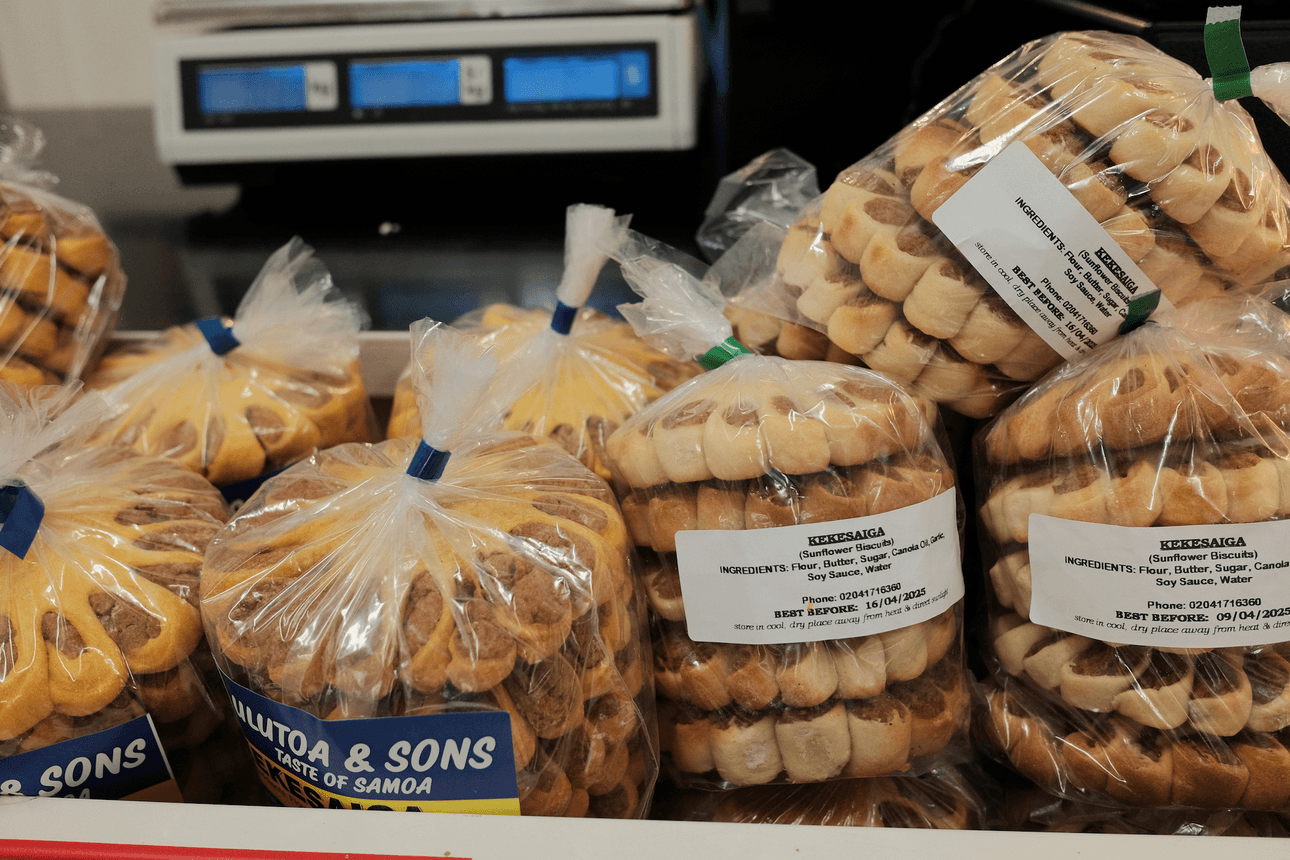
(519, 85)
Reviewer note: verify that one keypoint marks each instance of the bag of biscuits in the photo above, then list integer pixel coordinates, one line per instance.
(103, 688)
(593, 370)
(61, 283)
(234, 400)
(445, 623)
(800, 533)
(1079, 182)
(945, 799)
(1135, 513)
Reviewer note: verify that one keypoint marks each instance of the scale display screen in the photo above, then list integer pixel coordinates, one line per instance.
(404, 83)
(585, 77)
(593, 81)
(251, 89)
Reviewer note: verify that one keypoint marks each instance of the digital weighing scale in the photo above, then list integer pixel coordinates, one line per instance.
(271, 82)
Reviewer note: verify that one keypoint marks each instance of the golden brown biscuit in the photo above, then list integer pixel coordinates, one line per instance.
(1159, 696)
(880, 729)
(860, 204)
(745, 749)
(1221, 698)
(942, 297)
(814, 743)
(860, 323)
(1207, 774)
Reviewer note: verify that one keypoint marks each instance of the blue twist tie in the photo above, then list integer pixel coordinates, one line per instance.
(219, 336)
(21, 511)
(428, 463)
(562, 318)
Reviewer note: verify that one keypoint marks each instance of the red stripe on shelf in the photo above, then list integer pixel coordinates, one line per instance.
(41, 849)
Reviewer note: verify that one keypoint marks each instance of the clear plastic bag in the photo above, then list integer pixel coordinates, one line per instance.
(946, 799)
(61, 283)
(587, 380)
(753, 455)
(772, 188)
(1164, 188)
(1133, 508)
(289, 382)
(348, 589)
(99, 625)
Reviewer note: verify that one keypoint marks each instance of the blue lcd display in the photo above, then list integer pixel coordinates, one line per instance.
(251, 89)
(569, 78)
(404, 83)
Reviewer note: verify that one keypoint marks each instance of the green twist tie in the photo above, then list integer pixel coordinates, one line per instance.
(1225, 52)
(723, 352)
(1139, 309)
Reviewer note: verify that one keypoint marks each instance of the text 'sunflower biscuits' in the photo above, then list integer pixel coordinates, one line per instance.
(1133, 510)
(1142, 157)
(758, 445)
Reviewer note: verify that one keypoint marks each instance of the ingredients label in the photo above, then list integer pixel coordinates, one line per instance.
(454, 762)
(125, 762)
(818, 581)
(1042, 252)
(1175, 586)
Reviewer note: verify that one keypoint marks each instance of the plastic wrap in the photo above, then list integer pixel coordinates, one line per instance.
(286, 382)
(776, 661)
(1033, 810)
(1018, 223)
(588, 379)
(945, 799)
(61, 283)
(1134, 512)
(100, 635)
(348, 588)
(772, 188)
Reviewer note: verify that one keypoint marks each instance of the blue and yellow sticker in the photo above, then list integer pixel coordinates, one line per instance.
(125, 762)
(456, 762)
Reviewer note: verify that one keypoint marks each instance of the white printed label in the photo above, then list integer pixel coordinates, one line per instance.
(1042, 252)
(1167, 587)
(817, 581)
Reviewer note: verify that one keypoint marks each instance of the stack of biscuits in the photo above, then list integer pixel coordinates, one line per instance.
(944, 799)
(350, 590)
(61, 287)
(765, 334)
(227, 418)
(763, 442)
(600, 374)
(1179, 181)
(99, 622)
(1182, 422)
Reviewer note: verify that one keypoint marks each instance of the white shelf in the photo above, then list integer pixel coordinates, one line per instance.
(40, 828)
